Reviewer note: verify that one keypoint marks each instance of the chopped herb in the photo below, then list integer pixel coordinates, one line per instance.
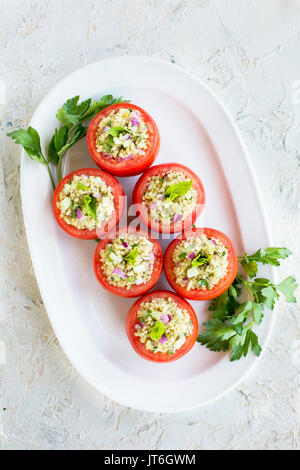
(131, 257)
(200, 260)
(74, 209)
(108, 143)
(116, 131)
(82, 186)
(178, 189)
(90, 204)
(157, 330)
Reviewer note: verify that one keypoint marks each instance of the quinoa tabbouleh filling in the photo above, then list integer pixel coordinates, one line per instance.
(170, 198)
(122, 135)
(86, 202)
(163, 326)
(200, 262)
(128, 260)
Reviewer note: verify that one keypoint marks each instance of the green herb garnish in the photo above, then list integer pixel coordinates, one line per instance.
(90, 204)
(201, 260)
(268, 256)
(73, 116)
(82, 186)
(108, 143)
(231, 327)
(178, 189)
(157, 330)
(116, 131)
(131, 257)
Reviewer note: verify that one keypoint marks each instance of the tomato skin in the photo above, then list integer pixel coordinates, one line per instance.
(140, 348)
(222, 286)
(119, 203)
(131, 167)
(135, 291)
(160, 170)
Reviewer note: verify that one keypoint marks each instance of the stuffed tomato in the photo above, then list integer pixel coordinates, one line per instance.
(161, 326)
(169, 198)
(123, 139)
(129, 264)
(88, 203)
(201, 264)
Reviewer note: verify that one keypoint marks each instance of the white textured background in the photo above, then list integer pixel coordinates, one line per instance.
(248, 52)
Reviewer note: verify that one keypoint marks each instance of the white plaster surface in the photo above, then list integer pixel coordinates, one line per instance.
(247, 51)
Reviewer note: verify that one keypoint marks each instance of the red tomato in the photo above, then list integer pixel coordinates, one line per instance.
(139, 347)
(224, 284)
(134, 291)
(118, 194)
(136, 165)
(161, 170)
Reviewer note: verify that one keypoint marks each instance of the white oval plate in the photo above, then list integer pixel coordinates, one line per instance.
(88, 321)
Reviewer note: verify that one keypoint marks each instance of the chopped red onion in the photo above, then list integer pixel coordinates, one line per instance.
(192, 255)
(136, 327)
(163, 339)
(126, 136)
(119, 273)
(135, 122)
(178, 217)
(129, 157)
(125, 244)
(165, 318)
(212, 241)
(141, 324)
(79, 214)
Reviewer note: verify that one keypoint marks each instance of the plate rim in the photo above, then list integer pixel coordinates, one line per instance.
(252, 175)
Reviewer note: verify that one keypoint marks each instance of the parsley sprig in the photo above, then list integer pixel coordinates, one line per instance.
(73, 115)
(231, 327)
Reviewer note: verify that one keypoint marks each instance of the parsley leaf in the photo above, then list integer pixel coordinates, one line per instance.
(116, 131)
(58, 141)
(90, 204)
(131, 257)
(30, 141)
(157, 331)
(267, 256)
(104, 102)
(178, 189)
(108, 143)
(200, 260)
(216, 335)
(288, 287)
(250, 267)
(232, 322)
(71, 112)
